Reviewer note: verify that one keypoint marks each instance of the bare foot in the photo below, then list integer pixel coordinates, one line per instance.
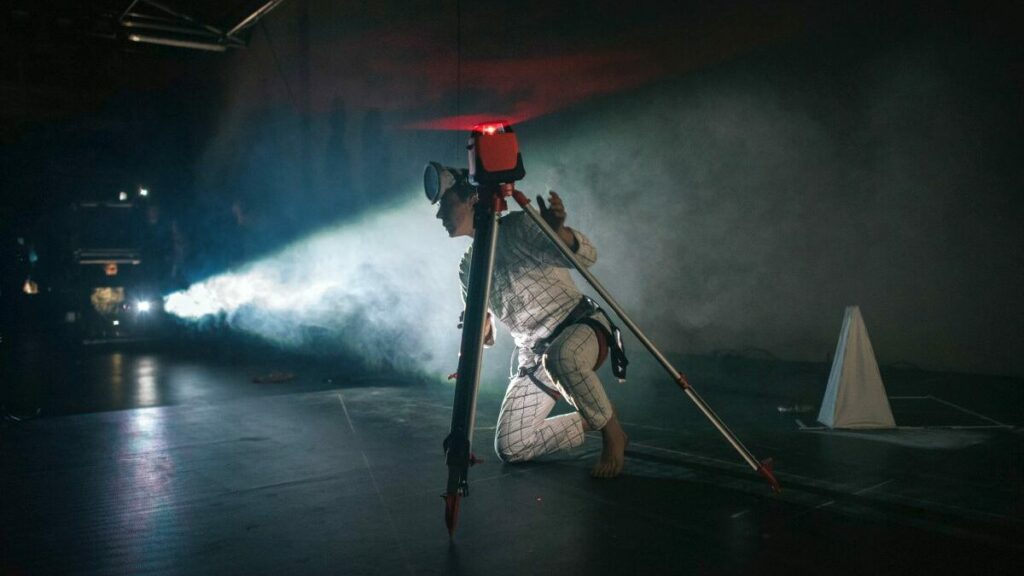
(613, 454)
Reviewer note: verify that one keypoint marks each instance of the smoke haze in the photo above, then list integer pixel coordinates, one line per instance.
(740, 205)
(734, 210)
(381, 288)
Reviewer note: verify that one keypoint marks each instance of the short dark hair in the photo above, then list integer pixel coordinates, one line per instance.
(462, 187)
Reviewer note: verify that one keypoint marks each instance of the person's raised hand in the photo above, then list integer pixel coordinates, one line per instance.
(553, 211)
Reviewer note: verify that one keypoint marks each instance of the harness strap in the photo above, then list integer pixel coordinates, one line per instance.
(609, 338)
(529, 372)
(611, 342)
(602, 340)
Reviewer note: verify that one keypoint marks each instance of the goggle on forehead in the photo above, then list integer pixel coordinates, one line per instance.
(438, 179)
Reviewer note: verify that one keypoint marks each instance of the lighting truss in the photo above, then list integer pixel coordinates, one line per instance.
(153, 22)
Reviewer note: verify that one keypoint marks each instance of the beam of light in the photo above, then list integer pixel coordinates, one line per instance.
(384, 288)
(525, 89)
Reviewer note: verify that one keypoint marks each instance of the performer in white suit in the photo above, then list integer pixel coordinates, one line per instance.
(561, 335)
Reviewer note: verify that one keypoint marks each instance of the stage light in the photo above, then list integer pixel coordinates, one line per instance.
(143, 306)
(122, 196)
(143, 192)
(196, 44)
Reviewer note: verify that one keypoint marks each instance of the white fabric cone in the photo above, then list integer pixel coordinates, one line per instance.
(855, 396)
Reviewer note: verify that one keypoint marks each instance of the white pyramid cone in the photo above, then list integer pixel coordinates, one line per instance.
(855, 397)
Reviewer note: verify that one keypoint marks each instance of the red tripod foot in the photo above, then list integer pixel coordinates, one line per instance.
(765, 469)
(451, 512)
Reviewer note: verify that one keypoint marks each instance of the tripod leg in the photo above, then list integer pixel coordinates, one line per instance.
(761, 467)
(451, 511)
(458, 444)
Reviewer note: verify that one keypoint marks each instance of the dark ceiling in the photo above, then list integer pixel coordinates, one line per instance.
(62, 57)
(72, 80)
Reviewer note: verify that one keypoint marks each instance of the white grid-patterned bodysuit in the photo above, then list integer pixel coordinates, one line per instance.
(531, 293)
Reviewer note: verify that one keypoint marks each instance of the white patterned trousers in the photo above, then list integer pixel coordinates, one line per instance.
(524, 430)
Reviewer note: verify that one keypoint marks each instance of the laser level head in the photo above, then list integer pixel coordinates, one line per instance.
(494, 156)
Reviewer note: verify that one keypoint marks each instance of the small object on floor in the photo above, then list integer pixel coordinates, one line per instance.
(796, 408)
(274, 378)
(8, 416)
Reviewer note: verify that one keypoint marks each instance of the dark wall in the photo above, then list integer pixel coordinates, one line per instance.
(746, 171)
(747, 205)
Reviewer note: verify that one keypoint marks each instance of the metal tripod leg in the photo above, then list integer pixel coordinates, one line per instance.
(458, 456)
(763, 467)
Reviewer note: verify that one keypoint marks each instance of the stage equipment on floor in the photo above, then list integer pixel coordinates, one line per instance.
(495, 163)
(855, 396)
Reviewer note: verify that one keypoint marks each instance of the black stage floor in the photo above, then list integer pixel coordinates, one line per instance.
(325, 474)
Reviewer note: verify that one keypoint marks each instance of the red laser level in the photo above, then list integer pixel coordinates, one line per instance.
(494, 156)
